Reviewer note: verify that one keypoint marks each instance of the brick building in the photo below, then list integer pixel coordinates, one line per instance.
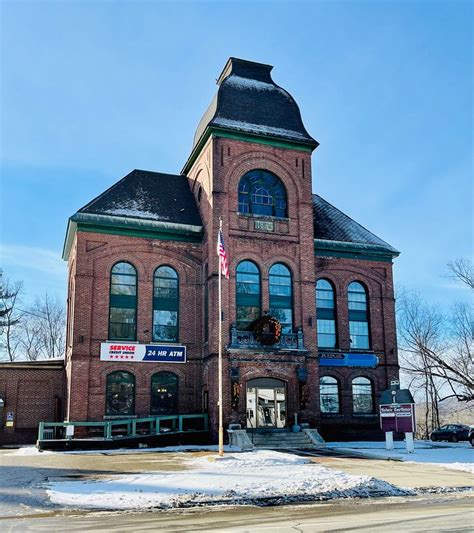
(30, 391)
(143, 271)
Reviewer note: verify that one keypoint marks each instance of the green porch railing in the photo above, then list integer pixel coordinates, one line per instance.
(154, 425)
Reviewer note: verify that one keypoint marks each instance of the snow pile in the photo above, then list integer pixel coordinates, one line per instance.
(27, 451)
(458, 456)
(464, 467)
(255, 477)
(32, 450)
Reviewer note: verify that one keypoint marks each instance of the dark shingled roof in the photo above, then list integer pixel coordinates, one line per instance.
(330, 224)
(249, 101)
(148, 195)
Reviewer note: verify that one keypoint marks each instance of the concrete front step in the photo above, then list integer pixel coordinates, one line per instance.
(276, 441)
(281, 440)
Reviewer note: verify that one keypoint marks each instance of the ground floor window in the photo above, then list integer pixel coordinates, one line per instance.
(329, 394)
(120, 393)
(362, 396)
(164, 393)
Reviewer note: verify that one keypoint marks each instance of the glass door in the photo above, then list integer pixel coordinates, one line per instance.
(266, 404)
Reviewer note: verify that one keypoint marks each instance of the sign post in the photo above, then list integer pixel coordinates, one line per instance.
(397, 413)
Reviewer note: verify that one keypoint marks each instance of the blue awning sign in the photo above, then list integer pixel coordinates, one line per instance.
(354, 360)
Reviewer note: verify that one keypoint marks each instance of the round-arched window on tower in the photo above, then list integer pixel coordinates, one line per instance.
(262, 193)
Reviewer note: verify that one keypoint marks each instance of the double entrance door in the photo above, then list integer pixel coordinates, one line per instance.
(266, 403)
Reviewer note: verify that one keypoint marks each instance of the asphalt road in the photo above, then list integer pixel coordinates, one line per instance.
(436, 513)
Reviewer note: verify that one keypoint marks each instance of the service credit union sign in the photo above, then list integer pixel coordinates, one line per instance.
(142, 353)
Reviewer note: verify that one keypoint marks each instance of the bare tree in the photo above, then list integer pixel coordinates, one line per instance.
(45, 331)
(30, 340)
(437, 349)
(420, 335)
(462, 270)
(10, 316)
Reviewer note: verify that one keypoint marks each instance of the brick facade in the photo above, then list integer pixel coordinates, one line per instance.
(33, 392)
(151, 219)
(213, 179)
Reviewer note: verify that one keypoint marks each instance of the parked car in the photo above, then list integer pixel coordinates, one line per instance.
(451, 432)
(471, 436)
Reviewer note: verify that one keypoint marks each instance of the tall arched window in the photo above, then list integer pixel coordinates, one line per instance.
(247, 294)
(329, 394)
(262, 193)
(362, 395)
(358, 316)
(165, 304)
(164, 394)
(123, 302)
(120, 394)
(281, 296)
(325, 314)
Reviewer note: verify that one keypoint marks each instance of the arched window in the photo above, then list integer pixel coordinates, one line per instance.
(123, 302)
(329, 394)
(358, 316)
(281, 296)
(247, 294)
(262, 193)
(120, 393)
(164, 393)
(325, 314)
(362, 395)
(165, 304)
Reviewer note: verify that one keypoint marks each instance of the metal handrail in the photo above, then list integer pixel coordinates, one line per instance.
(131, 423)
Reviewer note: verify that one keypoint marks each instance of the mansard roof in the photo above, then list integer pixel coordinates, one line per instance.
(153, 201)
(333, 228)
(142, 204)
(148, 195)
(249, 101)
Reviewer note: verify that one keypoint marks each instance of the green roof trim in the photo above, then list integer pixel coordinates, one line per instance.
(353, 250)
(129, 227)
(247, 137)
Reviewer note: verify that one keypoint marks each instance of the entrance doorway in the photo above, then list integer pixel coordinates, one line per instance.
(266, 403)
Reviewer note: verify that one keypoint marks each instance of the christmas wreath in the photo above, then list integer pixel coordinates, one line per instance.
(267, 330)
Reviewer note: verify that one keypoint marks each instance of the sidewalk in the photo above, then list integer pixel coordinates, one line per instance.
(25, 474)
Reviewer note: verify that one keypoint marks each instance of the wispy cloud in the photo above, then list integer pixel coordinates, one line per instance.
(13, 256)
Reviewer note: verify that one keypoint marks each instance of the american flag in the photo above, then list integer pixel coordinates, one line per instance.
(223, 266)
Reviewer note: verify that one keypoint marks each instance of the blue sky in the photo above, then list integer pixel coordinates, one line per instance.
(91, 90)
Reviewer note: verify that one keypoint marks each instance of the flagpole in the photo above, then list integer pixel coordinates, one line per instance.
(221, 429)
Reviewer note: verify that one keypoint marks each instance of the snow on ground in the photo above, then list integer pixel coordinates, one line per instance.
(33, 450)
(457, 456)
(24, 451)
(235, 478)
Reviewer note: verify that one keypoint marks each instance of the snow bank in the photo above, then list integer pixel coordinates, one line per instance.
(32, 450)
(251, 477)
(26, 451)
(457, 456)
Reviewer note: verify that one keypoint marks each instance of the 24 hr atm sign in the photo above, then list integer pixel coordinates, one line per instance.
(142, 353)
